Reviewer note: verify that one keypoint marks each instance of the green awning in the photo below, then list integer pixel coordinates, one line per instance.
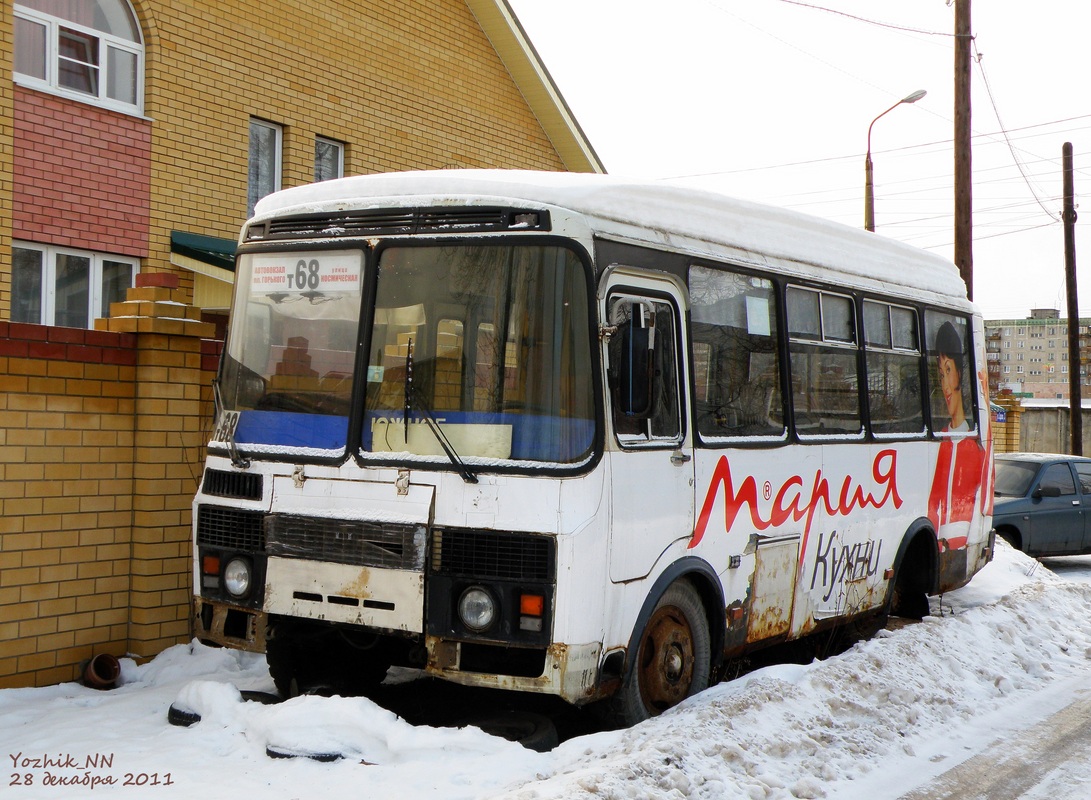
(209, 249)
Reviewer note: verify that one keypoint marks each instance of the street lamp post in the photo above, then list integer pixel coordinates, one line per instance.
(869, 188)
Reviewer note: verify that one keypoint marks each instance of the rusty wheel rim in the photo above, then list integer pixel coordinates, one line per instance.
(665, 670)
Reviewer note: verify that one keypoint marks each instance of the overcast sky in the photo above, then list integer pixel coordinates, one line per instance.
(771, 100)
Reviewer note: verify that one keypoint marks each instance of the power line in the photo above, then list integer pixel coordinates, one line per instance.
(869, 21)
(856, 155)
(993, 235)
(1011, 148)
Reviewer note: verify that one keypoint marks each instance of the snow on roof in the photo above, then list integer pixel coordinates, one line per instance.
(661, 210)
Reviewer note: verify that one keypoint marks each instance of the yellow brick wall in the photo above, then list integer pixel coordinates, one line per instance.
(170, 431)
(408, 85)
(66, 479)
(6, 124)
(102, 439)
(1007, 434)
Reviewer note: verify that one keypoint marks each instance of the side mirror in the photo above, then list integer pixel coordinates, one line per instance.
(636, 364)
(1046, 491)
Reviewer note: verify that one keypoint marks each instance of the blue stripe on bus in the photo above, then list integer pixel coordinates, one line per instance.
(534, 437)
(288, 429)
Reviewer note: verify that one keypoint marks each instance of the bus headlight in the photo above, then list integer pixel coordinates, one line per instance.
(476, 609)
(237, 577)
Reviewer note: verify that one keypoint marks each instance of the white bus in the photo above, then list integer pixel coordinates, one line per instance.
(579, 435)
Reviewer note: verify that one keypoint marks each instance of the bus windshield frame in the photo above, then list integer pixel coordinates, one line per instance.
(390, 352)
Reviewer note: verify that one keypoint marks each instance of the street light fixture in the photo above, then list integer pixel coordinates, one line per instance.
(869, 189)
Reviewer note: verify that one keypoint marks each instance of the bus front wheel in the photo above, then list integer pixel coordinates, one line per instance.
(672, 659)
(321, 661)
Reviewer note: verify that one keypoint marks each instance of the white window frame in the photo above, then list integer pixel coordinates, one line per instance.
(49, 279)
(339, 147)
(51, 83)
(278, 154)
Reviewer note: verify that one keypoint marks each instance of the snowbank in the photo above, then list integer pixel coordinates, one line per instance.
(872, 723)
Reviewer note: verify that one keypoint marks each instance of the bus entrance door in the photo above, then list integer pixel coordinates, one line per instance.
(651, 455)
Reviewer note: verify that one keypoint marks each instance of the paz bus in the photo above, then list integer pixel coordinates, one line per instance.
(579, 435)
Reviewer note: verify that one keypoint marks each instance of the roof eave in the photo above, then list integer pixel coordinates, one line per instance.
(512, 44)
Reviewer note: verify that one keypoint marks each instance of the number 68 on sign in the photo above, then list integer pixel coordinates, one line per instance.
(319, 271)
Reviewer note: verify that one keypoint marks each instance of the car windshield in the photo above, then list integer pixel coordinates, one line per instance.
(1013, 478)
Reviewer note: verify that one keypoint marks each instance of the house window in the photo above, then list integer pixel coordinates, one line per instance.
(65, 287)
(329, 159)
(264, 171)
(90, 51)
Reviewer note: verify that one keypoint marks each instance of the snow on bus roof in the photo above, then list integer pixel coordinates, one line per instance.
(765, 232)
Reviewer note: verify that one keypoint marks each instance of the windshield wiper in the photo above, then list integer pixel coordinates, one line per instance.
(411, 394)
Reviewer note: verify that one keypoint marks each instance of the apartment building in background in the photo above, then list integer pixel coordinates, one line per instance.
(1030, 357)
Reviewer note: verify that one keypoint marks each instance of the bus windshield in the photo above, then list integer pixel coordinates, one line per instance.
(493, 342)
(490, 341)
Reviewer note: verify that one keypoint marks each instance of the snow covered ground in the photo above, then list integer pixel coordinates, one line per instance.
(876, 722)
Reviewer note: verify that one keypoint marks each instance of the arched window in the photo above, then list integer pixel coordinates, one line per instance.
(90, 50)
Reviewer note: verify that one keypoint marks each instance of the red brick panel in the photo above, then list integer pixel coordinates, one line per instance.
(82, 175)
(24, 340)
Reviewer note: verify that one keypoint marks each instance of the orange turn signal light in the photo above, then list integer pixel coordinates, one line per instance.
(210, 565)
(531, 605)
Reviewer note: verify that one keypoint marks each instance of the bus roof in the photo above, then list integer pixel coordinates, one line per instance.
(763, 235)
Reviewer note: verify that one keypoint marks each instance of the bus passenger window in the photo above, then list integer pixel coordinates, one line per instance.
(825, 384)
(736, 370)
(653, 418)
(893, 355)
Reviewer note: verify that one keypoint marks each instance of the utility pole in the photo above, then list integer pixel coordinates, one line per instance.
(964, 205)
(1075, 404)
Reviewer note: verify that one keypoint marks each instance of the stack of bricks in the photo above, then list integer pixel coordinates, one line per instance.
(156, 305)
(293, 371)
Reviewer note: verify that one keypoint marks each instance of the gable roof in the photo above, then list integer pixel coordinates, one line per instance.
(512, 44)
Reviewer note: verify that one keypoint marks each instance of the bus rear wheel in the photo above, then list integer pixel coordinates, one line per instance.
(672, 659)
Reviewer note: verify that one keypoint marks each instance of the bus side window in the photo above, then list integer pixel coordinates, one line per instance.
(733, 323)
(822, 346)
(893, 369)
(644, 371)
(950, 372)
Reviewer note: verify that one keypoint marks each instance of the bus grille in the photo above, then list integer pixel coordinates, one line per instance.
(401, 221)
(357, 542)
(241, 485)
(230, 528)
(488, 554)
